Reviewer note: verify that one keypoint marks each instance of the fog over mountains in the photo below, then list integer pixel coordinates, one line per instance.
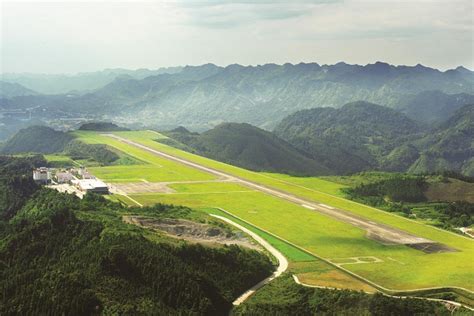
(201, 97)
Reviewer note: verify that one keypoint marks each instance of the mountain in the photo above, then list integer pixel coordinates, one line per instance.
(9, 90)
(202, 97)
(62, 83)
(363, 136)
(450, 146)
(38, 139)
(434, 106)
(350, 139)
(249, 147)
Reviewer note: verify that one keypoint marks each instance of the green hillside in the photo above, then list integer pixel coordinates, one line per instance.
(350, 139)
(449, 147)
(39, 139)
(247, 146)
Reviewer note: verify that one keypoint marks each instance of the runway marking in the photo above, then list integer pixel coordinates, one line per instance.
(394, 260)
(326, 206)
(356, 260)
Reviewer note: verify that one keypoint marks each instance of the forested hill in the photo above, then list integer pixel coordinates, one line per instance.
(363, 136)
(449, 147)
(247, 146)
(39, 139)
(201, 97)
(60, 255)
(9, 90)
(349, 139)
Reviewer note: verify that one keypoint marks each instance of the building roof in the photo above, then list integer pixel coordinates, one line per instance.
(90, 184)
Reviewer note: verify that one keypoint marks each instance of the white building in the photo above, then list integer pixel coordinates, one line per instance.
(91, 185)
(42, 175)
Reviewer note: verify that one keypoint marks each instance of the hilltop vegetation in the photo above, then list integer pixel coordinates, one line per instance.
(450, 146)
(349, 139)
(38, 139)
(411, 195)
(101, 126)
(249, 147)
(84, 260)
(284, 297)
(362, 136)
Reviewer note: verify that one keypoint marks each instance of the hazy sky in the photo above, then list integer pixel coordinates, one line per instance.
(78, 36)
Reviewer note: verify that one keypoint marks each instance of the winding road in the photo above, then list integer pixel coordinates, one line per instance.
(282, 262)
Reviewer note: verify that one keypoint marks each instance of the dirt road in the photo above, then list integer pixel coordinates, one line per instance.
(376, 231)
(282, 262)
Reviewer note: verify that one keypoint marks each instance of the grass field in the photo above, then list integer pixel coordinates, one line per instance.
(401, 267)
(59, 161)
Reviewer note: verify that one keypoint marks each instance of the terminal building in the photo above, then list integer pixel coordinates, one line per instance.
(64, 177)
(91, 186)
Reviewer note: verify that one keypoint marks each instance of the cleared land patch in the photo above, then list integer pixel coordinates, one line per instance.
(192, 231)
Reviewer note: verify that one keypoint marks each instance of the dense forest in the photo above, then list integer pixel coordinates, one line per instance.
(406, 194)
(62, 255)
(284, 297)
(362, 136)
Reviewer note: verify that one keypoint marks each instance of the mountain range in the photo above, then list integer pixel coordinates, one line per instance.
(10, 90)
(201, 97)
(81, 82)
(357, 137)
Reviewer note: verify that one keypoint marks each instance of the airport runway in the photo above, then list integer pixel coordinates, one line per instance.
(376, 231)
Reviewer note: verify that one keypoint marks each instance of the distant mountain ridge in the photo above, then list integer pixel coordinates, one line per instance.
(65, 83)
(201, 97)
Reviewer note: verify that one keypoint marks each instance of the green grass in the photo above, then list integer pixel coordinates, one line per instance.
(292, 253)
(209, 187)
(59, 161)
(312, 183)
(403, 268)
(154, 168)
